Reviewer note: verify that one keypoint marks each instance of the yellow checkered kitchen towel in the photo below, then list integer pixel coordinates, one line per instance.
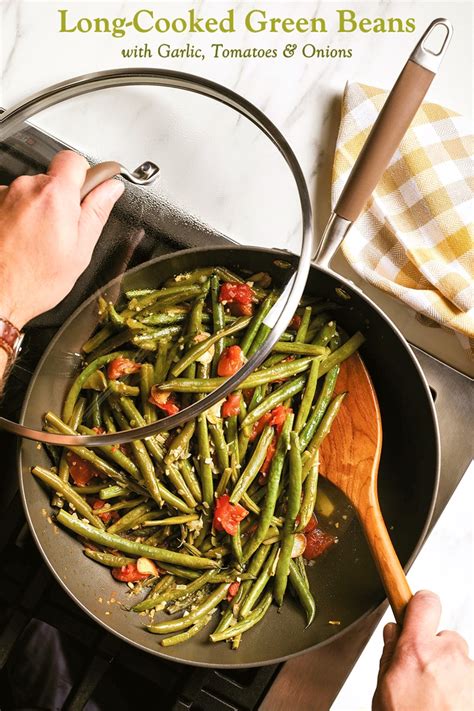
(415, 238)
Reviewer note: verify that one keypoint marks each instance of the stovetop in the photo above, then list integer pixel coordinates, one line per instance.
(45, 639)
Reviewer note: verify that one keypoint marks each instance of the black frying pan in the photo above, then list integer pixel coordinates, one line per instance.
(345, 582)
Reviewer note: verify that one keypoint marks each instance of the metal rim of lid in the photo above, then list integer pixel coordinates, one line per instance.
(14, 117)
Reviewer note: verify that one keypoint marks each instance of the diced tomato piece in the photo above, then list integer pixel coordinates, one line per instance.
(295, 322)
(164, 399)
(128, 574)
(279, 415)
(312, 524)
(317, 542)
(81, 471)
(107, 516)
(260, 425)
(232, 592)
(274, 418)
(227, 516)
(269, 456)
(231, 360)
(231, 406)
(235, 292)
(99, 430)
(248, 394)
(121, 366)
(237, 309)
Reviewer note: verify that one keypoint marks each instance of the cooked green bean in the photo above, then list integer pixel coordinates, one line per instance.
(200, 623)
(323, 429)
(293, 505)
(320, 407)
(309, 392)
(302, 591)
(254, 617)
(259, 585)
(253, 467)
(203, 609)
(307, 349)
(108, 559)
(67, 492)
(275, 398)
(309, 495)
(109, 540)
(183, 591)
(256, 322)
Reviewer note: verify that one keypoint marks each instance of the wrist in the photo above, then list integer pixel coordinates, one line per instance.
(9, 312)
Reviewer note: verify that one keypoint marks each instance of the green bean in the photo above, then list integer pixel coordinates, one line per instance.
(155, 334)
(302, 591)
(260, 583)
(237, 546)
(120, 505)
(119, 388)
(323, 430)
(143, 302)
(335, 342)
(271, 494)
(170, 470)
(190, 479)
(259, 339)
(304, 325)
(259, 377)
(253, 467)
(179, 445)
(179, 571)
(76, 387)
(198, 349)
(278, 396)
(224, 480)
(343, 353)
(89, 489)
(110, 492)
(202, 610)
(63, 467)
(161, 364)
(306, 349)
(225, 274)
(324, 336)
(169, 318)
(293, 505)
(147, 377)
(97, 339)
(97, 381)
(94, 411)
(254, 617)
(218, 321)
(169, 595)
(307, 399)
(256, 322)
(68, 493)
(130, 519)
(205, 461)
(174, 520)
(108, 559)
(111, 344)
(187, 634)
(108, 419)
(309, 495)
(133, 293)
(221, 450)
(197, 275)
(320, 407)
(109, 540)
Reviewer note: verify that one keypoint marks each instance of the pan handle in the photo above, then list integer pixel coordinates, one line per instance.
(387, 132)
(145, 174)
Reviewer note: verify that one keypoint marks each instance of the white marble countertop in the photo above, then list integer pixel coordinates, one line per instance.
(218, 167)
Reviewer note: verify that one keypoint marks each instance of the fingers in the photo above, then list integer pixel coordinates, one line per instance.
(455, 639)
(95, 210)
(70, 167)
(422, 616)
(391, 633)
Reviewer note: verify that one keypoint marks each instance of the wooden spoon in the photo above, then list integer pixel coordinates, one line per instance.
(349, 458)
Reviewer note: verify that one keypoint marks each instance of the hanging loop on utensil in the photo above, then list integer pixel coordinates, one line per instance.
(286, 305)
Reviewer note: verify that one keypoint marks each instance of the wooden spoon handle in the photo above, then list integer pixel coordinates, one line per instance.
(389, 567)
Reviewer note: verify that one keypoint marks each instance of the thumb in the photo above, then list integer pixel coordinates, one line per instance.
(95, 211)
(391, 634)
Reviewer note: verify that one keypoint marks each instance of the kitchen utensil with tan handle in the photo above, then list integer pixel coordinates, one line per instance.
(350, 455)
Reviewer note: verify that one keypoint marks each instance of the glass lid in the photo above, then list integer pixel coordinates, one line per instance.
(185, 305)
